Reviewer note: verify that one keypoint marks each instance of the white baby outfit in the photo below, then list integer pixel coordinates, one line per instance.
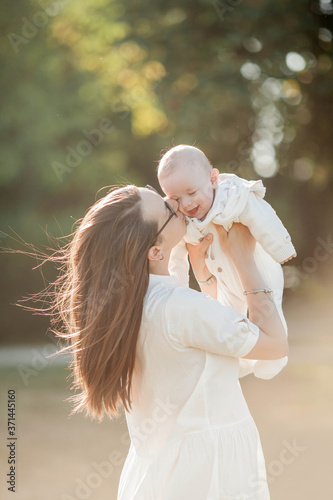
(240, 200)
(192, 434)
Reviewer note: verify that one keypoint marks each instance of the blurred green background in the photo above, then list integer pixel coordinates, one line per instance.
(92, 92)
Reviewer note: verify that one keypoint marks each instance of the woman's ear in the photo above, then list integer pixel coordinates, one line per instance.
(214, 177)
(154, 253)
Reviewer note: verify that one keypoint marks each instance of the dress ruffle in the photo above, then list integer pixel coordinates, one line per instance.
(220, 463)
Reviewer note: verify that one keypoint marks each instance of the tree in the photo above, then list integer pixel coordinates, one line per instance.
(96, 89)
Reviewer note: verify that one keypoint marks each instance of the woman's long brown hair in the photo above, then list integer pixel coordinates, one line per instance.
(98, 299)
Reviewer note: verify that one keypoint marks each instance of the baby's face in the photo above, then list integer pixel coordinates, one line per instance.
(192, 186)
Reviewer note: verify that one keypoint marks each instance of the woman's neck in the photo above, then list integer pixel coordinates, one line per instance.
(160, 267)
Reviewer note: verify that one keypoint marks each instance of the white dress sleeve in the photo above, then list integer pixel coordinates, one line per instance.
(264, 224)
(196, 320)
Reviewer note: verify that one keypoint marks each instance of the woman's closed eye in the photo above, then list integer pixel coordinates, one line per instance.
(170, 210)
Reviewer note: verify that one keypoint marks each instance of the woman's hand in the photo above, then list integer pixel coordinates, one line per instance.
(197, 254)
(238, 243)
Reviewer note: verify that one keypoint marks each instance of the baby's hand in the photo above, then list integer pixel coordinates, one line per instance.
(295, 255)
(198, 254)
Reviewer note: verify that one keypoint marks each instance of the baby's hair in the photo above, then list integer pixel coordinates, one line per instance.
(180, 155)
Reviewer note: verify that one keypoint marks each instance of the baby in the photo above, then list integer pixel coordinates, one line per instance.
(207, 197)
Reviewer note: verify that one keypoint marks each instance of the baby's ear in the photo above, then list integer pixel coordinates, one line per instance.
(214, 177)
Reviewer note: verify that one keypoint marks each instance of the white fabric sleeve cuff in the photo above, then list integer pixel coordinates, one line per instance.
(252, 338)
(284, 253)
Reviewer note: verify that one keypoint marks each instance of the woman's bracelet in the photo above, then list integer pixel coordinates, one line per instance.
(265, 290)
(210, 281)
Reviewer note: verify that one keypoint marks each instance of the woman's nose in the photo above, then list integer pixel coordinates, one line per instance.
(174, 204)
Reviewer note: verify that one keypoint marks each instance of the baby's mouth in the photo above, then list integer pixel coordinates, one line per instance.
(193, 213)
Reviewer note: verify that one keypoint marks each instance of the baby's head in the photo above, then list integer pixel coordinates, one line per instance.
(185, 175)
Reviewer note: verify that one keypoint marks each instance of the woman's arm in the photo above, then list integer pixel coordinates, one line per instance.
(272, 343)
(197, 255)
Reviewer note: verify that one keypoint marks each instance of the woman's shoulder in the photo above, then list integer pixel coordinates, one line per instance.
(169, 288)
(185, 301)
(163, 300)
(169, 292)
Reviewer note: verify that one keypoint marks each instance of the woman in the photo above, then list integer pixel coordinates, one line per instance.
(166, 353)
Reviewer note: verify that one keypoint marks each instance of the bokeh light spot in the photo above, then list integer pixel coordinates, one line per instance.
(295, 61)
(325, 35)
(263, 157)
(185, 83)
(265, 166)
(250, 71)
(303, 169)
(291, 89)
(271, 88)
(174, 16)
(252, 44)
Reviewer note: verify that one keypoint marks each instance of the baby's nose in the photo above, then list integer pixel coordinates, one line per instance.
(186, 202)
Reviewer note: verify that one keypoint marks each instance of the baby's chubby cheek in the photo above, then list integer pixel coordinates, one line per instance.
(182, 210)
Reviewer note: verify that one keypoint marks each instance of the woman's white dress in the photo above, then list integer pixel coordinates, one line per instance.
(192, 434)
